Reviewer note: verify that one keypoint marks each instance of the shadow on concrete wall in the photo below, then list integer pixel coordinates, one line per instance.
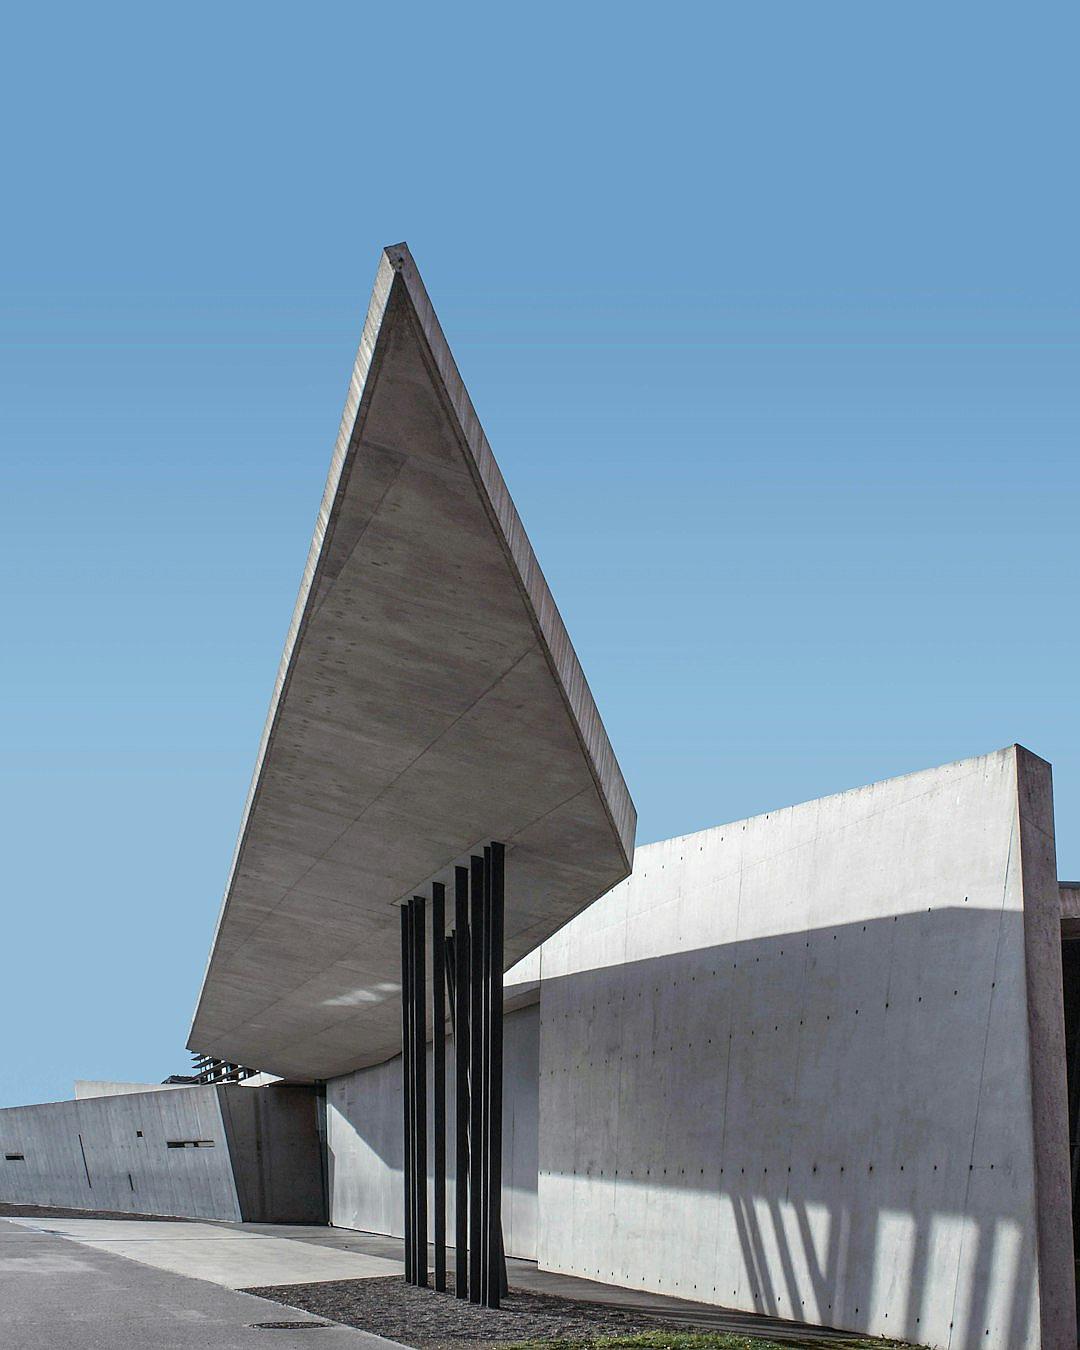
(276, 1152)
(832, 1125)
(364, 1141)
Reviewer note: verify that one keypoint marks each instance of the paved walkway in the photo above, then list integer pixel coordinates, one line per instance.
(235, 1255)
(59, 1294)
(246, 1255)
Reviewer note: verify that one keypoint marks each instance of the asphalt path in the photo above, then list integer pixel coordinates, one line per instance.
(59, 1294)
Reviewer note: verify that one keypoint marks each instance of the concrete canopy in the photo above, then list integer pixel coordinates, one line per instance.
(428, 700)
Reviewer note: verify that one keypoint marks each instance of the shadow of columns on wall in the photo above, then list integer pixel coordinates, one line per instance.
(831, 1126)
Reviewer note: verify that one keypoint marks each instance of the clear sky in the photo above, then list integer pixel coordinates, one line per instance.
(770, 312)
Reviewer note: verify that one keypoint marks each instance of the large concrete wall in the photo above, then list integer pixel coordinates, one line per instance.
(111, 1153)
(812, 1064)
(276, 1148)
(364, 1138)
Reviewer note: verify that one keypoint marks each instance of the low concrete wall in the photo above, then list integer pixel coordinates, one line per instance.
(812, 1064)
(364, 1138)
(239, 1153)
(112, 1153)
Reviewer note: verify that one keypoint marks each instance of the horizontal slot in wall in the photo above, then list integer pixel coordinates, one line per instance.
(132, 1153)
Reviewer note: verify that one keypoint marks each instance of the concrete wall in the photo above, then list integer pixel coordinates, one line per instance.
(1070, 908)
(102, 1087)
(364, 1134)
(812, 1064)
(276, 1148)
(89, 1154)
(261, 1156)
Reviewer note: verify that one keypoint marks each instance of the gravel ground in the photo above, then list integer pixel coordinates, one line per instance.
(8, 1211)
(421, 1318)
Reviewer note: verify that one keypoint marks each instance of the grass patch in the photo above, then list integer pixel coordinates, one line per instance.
(700, 1340)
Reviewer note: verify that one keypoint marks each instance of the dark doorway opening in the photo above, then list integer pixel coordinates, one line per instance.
(1070, 970)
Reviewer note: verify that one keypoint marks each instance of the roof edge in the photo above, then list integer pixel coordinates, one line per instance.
(396, 263)
(555, 640)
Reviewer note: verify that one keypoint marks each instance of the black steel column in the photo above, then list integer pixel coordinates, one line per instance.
(486, 1204)
(476, 1075)
(495, 858)
(450, 967)
(471, 964)
(461, 1079)
(438, 1069)
(406, 1079)
(419, 1029)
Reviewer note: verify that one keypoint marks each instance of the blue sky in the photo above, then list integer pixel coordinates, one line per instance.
(771, 313)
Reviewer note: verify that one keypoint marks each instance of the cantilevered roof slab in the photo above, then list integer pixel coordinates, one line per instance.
(428, 701)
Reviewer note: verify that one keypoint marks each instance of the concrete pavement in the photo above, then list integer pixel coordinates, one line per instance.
(230, 1256)
(58, 1294)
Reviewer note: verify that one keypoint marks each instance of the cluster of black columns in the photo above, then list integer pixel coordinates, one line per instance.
(467, 964)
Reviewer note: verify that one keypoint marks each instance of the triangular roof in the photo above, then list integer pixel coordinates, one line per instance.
(428, 700)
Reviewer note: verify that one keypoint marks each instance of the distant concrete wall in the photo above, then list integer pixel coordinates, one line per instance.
(1070, 908)
(812, 1063)
(364, 1137)
(101, 1087)
(112, 1153)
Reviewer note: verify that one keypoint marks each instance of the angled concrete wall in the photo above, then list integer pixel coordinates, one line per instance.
(812, 1064)
(112, 1153)
(258, 1155)
(364, 1142)
(276, 1150)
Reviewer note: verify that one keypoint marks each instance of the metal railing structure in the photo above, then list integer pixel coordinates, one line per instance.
(206, 1069)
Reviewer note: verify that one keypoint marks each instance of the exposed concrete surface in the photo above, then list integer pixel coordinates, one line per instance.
(364, 1138)
(429, 700)
(276, 1150)
(230, 1256)
(100, 1087)
(56, 1293)
(1069, 892)
(94, 1087)
(1041, 899)
(793, 1064)
(258, 1154)
(803, 1065)
(112, 1153)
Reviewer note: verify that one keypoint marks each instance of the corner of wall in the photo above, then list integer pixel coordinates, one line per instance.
(232, 1140)
(1046, 1033)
